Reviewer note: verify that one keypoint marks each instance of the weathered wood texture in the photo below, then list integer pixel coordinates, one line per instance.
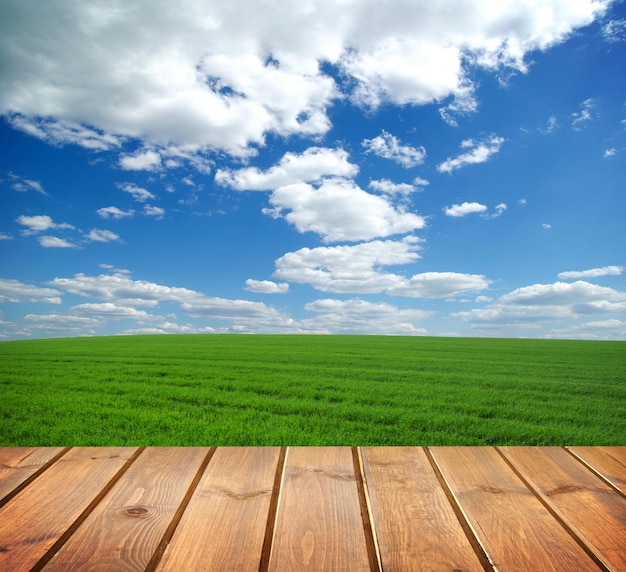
(318, 508)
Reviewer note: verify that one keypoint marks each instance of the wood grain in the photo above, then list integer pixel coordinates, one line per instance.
(516, 530)
(38, 516)
(582, 500)
(18, 464)
(319, 524)
(416, 526)
(610, 462)
(136, 513)
(224, 525)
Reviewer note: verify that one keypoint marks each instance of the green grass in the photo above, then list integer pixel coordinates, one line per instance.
(311, 390)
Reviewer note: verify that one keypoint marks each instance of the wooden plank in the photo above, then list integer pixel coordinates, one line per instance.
(124, 531)
(223, 527)
(416, 526)
(319, 524)
(516, 530)
(18, 464)
(610, 462)
(593, 510)
(34, 520)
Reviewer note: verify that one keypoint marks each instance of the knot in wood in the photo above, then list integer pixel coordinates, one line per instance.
(135, 510)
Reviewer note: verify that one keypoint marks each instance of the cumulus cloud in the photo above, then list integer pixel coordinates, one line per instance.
(601, 329)
(221, 76)
(110, 311)
(119, 290)
(360, 316)
(309, 166)
(543, 302)
(339, 210)
(357, 269)
(39, 223)
(156, 212)
(5, 236)
(138, 193)
(480, 152)
(114, 212)
(99, 235)
(464, 209)
(592, 272)
(388, 146)
(71, 325)
(387, 187)
(60, 132)
(266, 287)
(55, 242)
(147, 160)
(15, 291)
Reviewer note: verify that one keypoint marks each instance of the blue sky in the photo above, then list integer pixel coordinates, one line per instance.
(400, 167)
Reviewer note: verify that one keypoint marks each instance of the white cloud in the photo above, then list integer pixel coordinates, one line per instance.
(388, 146)
(39, 223)
(114, 212)
(387, 187)
(60, 132)
(309, 166)
(170, 328)
(481, 151)
(24, 185)
(585, 114)
(5, 236)
(499, 209)
(339, 210)
(120, 290)
(16, 291)
(220, 76)
(614, 31)
(119, 287)
(139, 194)
(610, 152)
(147, 160)
(150, 210)
(55, 242)
(464, 209)
(74, 325)
(592, 273)
(602, 329)
(110, 311)
(546, 226)
(266, 287)
(99, 235)
(357, 269)
(439, 285)
(540, 303)
(360, 316)
(550, 126)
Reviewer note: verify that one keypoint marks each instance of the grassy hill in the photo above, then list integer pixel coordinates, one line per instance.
(311, 390)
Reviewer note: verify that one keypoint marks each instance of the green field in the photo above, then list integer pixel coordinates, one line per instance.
(311, 390)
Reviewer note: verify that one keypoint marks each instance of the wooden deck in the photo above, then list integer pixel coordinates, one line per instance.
(307, 508)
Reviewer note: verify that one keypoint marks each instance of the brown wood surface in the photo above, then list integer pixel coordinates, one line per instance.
(224, 525)
(610, 462)
(136, 513)
(38, 516)
(313, 508)
(516, 530)
(417, 528)
(18, 464)
(319, 524)
(585, 503)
